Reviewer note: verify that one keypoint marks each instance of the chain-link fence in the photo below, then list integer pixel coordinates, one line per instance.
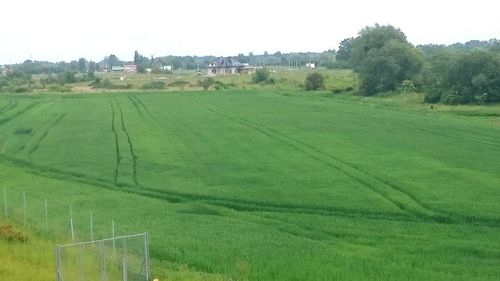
(124, 258)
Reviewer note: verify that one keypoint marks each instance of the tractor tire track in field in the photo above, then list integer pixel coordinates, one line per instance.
(404, 201)
(117, 148)
(130, 144)
(11, 105)
(136, 105)
(455, 136)
(141, 103)
(159, 126)
(45, 134)
(118, 123)
(18, 113)
(385, 181)
(177, 197)
(32, 135)
(253, 206)
(229, 203)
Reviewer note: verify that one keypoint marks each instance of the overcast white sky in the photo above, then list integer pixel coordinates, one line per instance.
(56, 30)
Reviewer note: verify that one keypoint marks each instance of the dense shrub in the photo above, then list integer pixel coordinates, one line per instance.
(17, 82)
(314, 81)
(59, 88)
(261, 75)
(20, 89)
(100, 83)
(216, 84)
(206, 83)
(154, 85)
(432, 96)
(180, 84)
(8, 232)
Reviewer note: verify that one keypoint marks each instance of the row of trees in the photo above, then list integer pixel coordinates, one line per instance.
(43, 67)
(453, 78)
(83, 65)
(457, 74)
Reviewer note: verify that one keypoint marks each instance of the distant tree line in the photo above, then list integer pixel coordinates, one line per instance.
(462, 73)
(83, 65)
(454, 74)
(16, 82)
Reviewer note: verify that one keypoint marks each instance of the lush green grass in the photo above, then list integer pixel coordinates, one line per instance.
(264, 185)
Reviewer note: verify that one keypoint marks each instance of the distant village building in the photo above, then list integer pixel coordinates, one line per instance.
(227, 66)
(132, 68)
(117, 68)
(310, 65)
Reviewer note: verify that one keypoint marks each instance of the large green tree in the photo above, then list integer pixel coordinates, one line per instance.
(345, 49)
(82, 65)
(383, 58)
(113, 60)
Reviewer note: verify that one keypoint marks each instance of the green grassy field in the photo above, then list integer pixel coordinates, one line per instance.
(264, 185)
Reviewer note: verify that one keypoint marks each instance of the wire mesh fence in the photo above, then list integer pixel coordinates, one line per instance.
(57, 220)
(124, 258)
(112, 259)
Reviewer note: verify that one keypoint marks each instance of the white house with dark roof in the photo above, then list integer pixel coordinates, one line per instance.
(226, 66)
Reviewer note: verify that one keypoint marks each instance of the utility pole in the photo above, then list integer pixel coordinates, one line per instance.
(113, 232)
(91, 228)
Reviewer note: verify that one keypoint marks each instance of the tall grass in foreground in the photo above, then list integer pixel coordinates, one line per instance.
(30, 260)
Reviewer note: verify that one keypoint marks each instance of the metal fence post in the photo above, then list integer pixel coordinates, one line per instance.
(125, 247)
(91, 228)
(146, 255)
(5, 200)
(125, 269)
(24, 207)
(58, 263)
(81, 263)
(46, 215)
(71, 223)
(103, 262)
(113, 233)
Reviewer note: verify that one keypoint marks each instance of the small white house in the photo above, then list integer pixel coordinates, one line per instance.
(310, 65)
